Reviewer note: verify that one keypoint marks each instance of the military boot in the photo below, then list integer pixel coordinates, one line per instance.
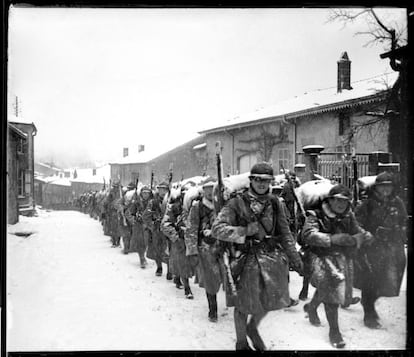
(158, 272)
(212, 307)
(177, 282)
(336, 339)
(188, 294)
(143, 261)
(243, 346)
(254, 336)
(370, 314)
(312, 314)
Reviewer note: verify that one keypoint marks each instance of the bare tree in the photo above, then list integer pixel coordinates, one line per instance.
(380, 31)
(393, 35)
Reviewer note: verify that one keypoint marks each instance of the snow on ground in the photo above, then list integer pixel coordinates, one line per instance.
(68, 290)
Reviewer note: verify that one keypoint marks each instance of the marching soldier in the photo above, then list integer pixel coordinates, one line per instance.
(134, 214)
(255, 221)
(111, 215)
(125, 226)
(379, 268)
(200, 243)
(288, 195)
(152, 217)
(173, 226)
(332, 233)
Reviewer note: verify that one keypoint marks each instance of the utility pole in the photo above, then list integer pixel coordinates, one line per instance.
(16, 108)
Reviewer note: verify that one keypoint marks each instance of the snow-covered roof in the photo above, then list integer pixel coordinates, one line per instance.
(53, 180)
(17, 130)
(48, 166)
(86, 175)
(317, 101)
(19, 120)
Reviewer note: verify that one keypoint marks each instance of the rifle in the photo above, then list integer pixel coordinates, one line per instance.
(355, 197)
(220, 202)
(136, 185)
(152, 179)
(124, 222)
(302, 211)
(170, 174)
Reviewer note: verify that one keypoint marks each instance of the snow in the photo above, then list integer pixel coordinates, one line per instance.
(17, 130)
(313, 99)
(54, 180)
(190, 195)
(86, 175)
(311, 192)
(67, 290)
(199, 146)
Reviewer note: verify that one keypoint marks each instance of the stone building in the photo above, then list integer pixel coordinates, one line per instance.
(340, 119)
(351, 117)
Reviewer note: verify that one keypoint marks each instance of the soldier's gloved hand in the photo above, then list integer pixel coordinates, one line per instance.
(252, 228)
(193, 260)
(363, 239)
(343, 239)
(208, 238)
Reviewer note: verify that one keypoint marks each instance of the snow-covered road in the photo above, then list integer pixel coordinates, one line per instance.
(68, 290)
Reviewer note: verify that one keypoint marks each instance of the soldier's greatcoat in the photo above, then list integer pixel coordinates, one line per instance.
(380, 266)
(133, 214)
(260, 265)
(152, 217)
(111, 213)
(173, 226)
(209, 269)
(332, 281)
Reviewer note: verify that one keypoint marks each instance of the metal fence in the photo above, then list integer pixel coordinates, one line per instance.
(339, 167)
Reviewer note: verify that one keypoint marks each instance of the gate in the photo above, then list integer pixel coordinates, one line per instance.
(339, 166)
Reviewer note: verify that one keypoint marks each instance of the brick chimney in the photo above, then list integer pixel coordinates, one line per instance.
(141, 148)
(125, 152)
(344, 72)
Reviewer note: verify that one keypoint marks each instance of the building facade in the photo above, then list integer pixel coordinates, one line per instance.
(16, 159)
(187, 160)
(25, 168)
(342, 120)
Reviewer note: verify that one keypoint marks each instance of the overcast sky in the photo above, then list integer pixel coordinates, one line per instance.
(96, 80)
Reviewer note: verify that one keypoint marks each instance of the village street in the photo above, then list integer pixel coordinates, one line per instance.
(68, 290)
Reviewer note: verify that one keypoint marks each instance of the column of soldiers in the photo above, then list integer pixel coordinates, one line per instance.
(249, 246)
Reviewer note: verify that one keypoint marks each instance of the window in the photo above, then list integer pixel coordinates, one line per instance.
(27, 182)
(344, 123)
(246, 162)
(20, 183)
(21, 146)
(283, 158)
